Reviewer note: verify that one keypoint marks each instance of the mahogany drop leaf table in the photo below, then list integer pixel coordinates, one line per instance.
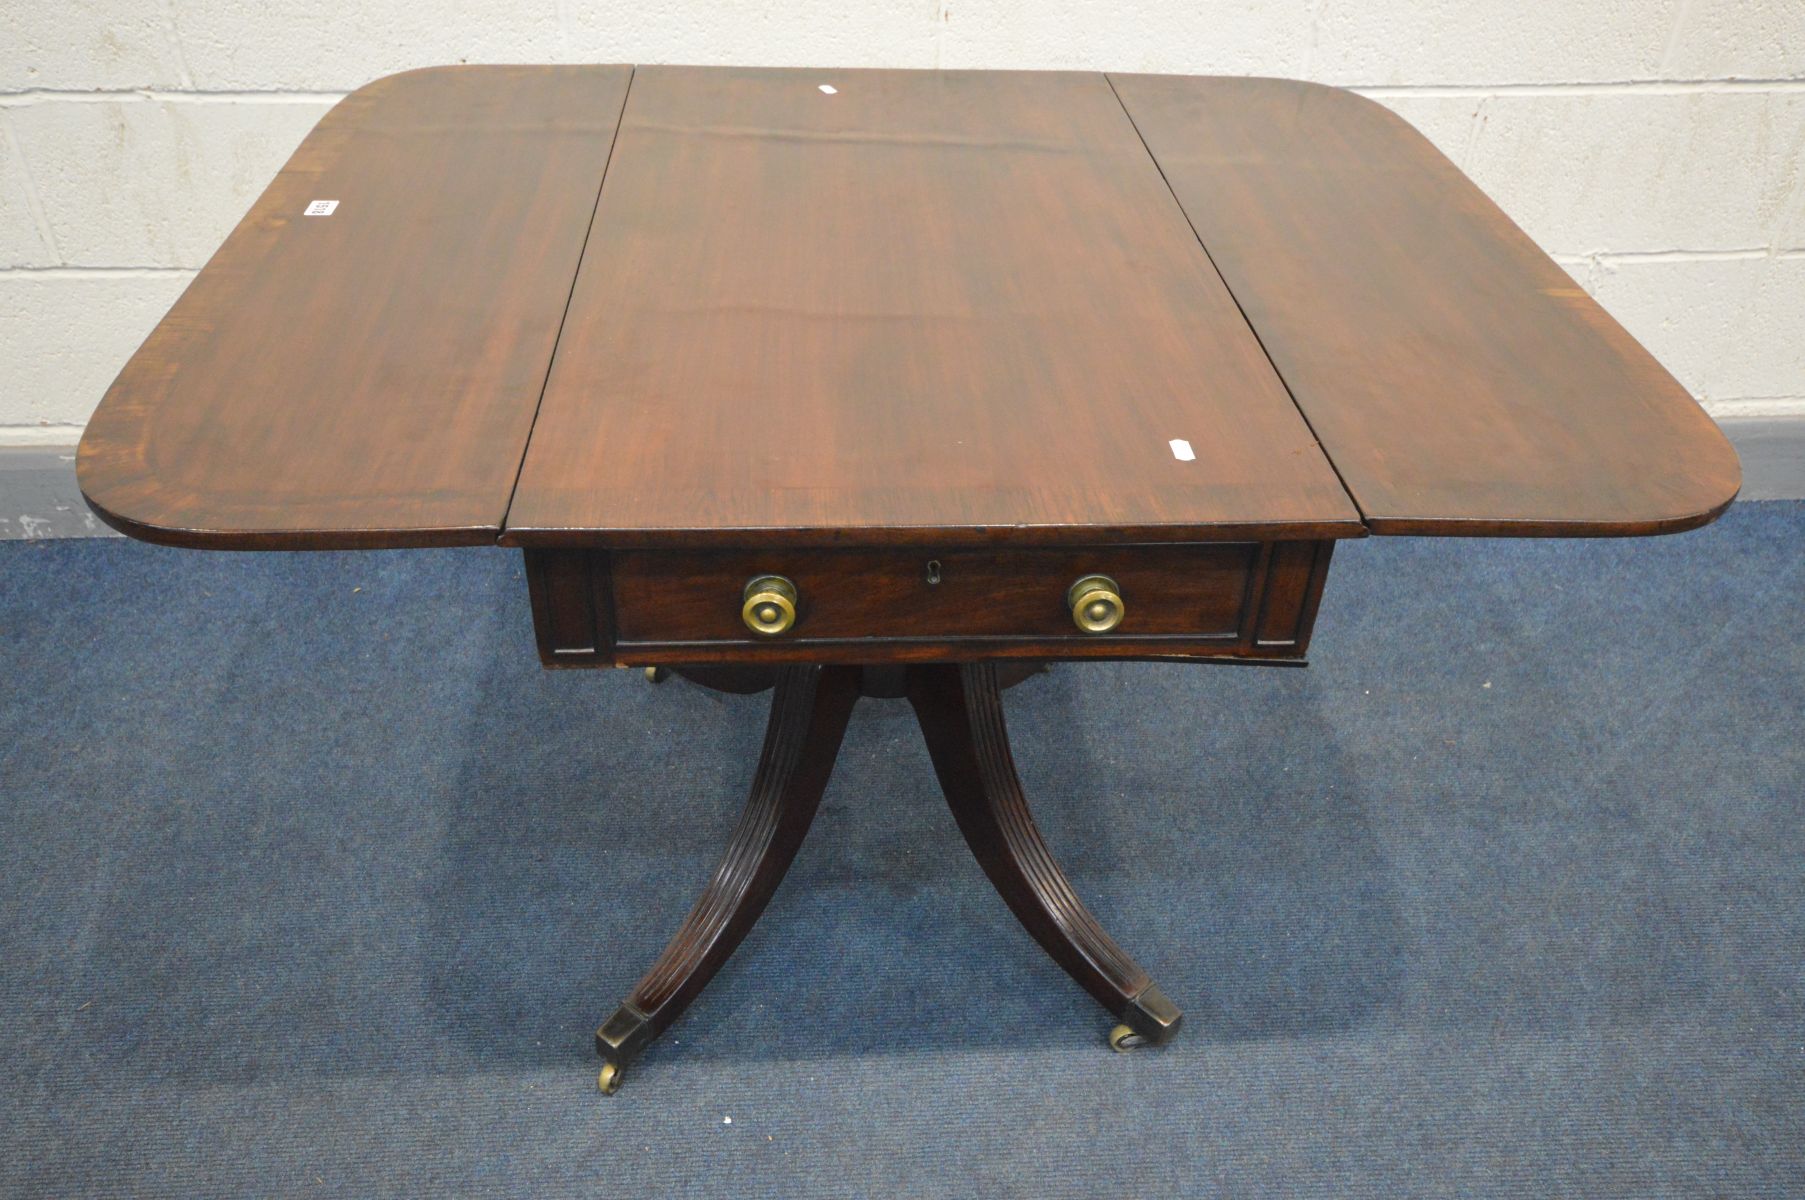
(887, 383)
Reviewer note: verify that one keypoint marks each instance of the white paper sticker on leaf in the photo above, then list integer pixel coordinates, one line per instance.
(320, 208)
(1181, 450)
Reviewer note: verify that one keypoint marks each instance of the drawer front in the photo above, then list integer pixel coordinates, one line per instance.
(665, 596)
(1240, 599)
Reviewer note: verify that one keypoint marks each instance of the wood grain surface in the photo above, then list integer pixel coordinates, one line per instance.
(1460, 380)
(368, 378)
(882, 308)
(934, 307)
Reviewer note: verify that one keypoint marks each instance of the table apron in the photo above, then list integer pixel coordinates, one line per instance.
(1248, 601)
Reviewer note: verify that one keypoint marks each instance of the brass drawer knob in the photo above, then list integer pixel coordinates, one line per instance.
(769, 606)
(1096, 603)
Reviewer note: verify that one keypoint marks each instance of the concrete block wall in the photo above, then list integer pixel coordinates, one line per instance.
(1655, 147)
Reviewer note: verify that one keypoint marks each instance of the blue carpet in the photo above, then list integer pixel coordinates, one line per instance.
(313, 883)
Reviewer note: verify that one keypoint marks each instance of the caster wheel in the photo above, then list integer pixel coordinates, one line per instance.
(609, 1079)
(1122, 1039)
(657, 674)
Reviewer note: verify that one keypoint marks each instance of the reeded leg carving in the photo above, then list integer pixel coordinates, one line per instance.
(808, 717)
(961, 715)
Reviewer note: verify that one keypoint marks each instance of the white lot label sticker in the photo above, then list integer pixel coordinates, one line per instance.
(828, 89)
(320, 208)
(1181, 450)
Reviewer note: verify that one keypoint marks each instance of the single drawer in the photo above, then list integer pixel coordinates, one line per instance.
(1212, 599)
(673, 596)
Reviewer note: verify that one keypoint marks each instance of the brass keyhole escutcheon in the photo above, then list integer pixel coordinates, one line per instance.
(768, 605)
(1096, 603)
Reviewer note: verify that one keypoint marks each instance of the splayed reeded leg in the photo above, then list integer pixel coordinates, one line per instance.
(808, 717)
(961, 715)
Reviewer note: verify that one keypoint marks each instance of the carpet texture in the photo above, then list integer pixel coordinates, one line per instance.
(313, 883)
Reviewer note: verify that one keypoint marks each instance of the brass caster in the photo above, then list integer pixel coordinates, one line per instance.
(1122, 1039)
(609, 1079)
(657, 674)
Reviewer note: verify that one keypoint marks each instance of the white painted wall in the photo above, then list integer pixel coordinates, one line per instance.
(1654, 147)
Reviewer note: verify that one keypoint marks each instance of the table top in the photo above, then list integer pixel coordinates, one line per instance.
(670, 306)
